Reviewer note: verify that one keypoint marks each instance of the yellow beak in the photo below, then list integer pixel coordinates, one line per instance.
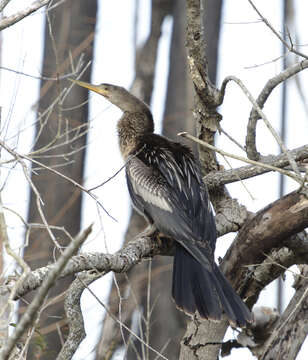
(97, 88)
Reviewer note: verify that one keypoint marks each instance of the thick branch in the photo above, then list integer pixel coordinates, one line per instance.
(121, 261)
(265, 231)
(197, 62)
(73, 313)
(292, 328)
(293, 251)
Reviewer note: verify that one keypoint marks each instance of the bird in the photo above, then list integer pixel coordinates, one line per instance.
(166, 187)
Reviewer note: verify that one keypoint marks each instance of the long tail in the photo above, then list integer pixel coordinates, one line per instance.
(196, 288)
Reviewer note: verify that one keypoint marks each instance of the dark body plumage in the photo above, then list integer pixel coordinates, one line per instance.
(166, 187)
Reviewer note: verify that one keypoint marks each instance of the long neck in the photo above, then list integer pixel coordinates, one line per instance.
(131, 128)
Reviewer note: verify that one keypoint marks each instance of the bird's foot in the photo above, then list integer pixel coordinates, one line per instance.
(150, 231)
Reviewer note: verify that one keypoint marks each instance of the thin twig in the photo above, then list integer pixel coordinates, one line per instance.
(124, 326)
(236, 157)
(276, 33)
(75, 183)
(41, 77)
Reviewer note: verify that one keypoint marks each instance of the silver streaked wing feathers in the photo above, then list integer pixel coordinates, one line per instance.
(146, 185)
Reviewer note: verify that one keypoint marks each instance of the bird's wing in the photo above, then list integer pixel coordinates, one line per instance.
(165, 185)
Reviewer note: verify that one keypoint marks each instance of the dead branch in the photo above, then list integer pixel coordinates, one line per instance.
(265, 120)
(74, 316)
(254, 116)
(121, 261)
(260, 164)
(267, 230)
(291, 330)
(292, 206)
(48, 282)
(222, 177)
(295, 206)
(290, 46)
(21, 14)
(292, 251)
(3, 4)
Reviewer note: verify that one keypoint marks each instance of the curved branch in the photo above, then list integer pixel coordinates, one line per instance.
(267, 230)
(74, 316)
(251, 148)
(264, 118)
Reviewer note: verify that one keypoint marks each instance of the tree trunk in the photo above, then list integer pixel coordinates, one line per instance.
(69, 33)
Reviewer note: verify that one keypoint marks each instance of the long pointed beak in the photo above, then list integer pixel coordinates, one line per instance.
(97, 88)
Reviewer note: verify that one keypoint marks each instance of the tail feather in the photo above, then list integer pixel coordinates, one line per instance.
(195, 287)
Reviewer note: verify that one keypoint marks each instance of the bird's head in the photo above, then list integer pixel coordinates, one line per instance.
(117, 95)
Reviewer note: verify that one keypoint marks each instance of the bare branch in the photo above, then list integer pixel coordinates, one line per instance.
(290, 47)
(50, 279)
(224, 153)
(264, 118)
(197, 62)
(291, 330)
(268, 229)
(222, 177)
(252, 152)
(19, 156)
(3, 4)
(73, 313)
(13, 19)
(121, 261)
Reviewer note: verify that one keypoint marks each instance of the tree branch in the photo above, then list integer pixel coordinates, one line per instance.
(223, 177)
(73, 313)
(285, 43)
(247, 249)
(267, 230)
(50, 279)
(13, 19)
(264, 118)
(251, 148)
(121, 261)
(291, 330)
(255, 163)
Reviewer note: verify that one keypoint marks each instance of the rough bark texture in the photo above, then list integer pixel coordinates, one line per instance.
(69, 33)
(292, 328)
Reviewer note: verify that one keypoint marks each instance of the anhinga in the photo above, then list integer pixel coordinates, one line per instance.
(166, 187)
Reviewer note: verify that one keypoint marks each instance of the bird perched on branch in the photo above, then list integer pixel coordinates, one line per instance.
(166, 187)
